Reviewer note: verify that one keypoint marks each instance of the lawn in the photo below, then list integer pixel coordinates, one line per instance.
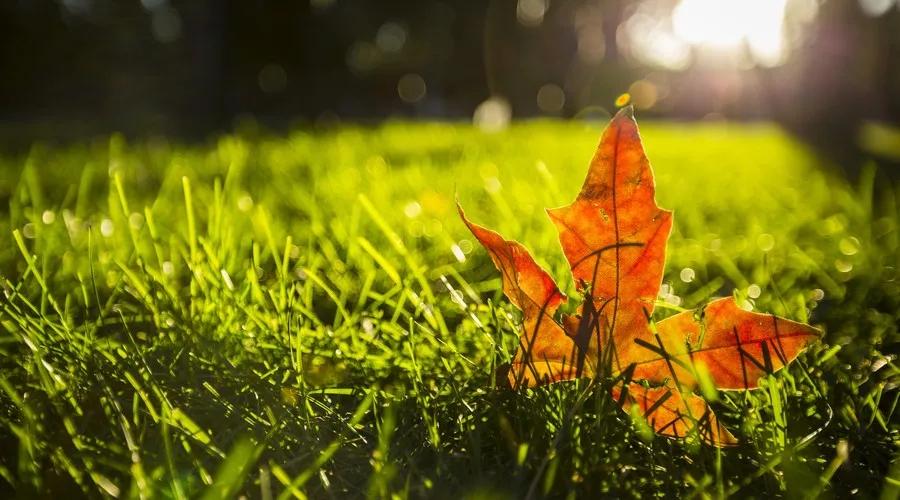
(305, 315)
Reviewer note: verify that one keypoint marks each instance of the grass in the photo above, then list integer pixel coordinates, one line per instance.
(305, 315)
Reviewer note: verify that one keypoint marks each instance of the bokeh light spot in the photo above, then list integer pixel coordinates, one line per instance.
(153, 4)
(245, 203)
(591, 38)
(849, 246)
(272, 78)
(411, 88)
(107, 228)
(765, 242)
(644, 94)
(136, 220)
(166, 24)
(391, 37)
(458, 253)
(875, 8)
(321, 4)
(363, 57)
(531, 12)
(492, 115)
(551, 98)
(647, 36)
(412, 209)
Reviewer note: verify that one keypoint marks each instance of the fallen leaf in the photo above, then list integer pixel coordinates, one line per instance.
(670, 413)
(546, 353)
(614, 238)
(737, 347)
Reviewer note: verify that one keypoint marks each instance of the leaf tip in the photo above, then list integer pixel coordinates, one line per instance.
(462, 215)
(625, 112)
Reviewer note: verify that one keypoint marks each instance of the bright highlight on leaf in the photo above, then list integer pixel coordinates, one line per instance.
(614, 238)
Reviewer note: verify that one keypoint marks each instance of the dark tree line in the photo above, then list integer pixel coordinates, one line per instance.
(72, 68)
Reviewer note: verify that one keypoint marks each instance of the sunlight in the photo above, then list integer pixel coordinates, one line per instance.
(727, 25)
(720, 32)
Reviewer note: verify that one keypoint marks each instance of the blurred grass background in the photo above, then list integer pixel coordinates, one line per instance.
(304, 314)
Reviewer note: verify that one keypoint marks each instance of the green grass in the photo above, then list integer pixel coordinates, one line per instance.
(306, 315)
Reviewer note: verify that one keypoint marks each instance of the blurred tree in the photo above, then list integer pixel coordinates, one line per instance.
(188, 67)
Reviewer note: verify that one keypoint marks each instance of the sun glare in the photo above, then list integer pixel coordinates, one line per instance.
(727, 25)
(721, 31)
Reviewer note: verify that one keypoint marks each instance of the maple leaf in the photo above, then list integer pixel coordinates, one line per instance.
(614, 238)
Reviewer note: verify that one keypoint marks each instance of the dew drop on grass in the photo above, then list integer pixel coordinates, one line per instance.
(765, 242)
(455, 295)
(843, 266)
(753, 291)
(28, 231)
(245, 203)
(48, 217)
(817, 294)
(466, 246)
(832, 225)
(849, 246)
(168, 268)
(687, 275)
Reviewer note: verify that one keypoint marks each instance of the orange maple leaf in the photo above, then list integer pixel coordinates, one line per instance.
(614, 237)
